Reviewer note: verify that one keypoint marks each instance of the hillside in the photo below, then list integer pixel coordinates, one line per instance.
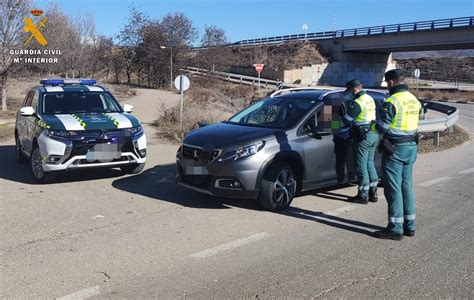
(443, 68)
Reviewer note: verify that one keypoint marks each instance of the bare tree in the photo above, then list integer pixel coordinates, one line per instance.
(213, 40)
(12, 13)
(130, 39)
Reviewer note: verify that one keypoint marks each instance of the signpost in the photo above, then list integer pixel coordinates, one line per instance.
(305, 29)
(182, 84)
(259, 69)
(416, 73)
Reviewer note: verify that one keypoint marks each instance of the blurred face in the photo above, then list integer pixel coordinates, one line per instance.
(390, 84)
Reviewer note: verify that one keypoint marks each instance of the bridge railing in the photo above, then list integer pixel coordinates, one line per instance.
(364, 31)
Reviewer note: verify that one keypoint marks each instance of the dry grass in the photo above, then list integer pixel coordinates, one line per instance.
(446, 140)
(206, 101)
(121, 91)
(6, 131)
(465, 96)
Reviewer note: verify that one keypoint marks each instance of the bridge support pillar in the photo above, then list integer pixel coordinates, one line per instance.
(344, 66)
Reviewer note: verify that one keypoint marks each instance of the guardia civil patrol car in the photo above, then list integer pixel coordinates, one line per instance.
(67, 124)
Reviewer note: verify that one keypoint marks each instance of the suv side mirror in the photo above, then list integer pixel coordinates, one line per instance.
(27, 111)
(128, 108)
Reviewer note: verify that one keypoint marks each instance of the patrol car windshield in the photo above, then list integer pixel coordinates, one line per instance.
(78, 102)
(274, 113)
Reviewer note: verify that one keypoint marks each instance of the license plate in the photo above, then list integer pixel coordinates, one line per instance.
(103, 153)
(191, 168)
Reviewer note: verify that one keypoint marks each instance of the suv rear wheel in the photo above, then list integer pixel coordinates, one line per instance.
(37, 170)
(278, 187)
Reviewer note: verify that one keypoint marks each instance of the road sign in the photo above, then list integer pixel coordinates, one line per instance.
(259, 67)
(181, 80)
(416, 73)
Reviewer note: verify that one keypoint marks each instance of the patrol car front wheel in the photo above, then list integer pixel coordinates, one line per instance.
(37, 167)
(132, 169)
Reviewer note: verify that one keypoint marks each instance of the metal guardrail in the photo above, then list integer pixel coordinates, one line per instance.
(237, 78)
(366, 31)
(435, 126)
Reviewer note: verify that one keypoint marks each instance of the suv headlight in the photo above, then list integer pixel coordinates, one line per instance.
(59, 133)
(242, 152)
(134, 131)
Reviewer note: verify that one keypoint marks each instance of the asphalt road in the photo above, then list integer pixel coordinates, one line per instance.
(105, 235)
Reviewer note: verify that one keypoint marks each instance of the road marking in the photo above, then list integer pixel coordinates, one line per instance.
(82, 294)
(341, 210)
(435, 181)
(229, 246)
(467, 171)
(466, 117)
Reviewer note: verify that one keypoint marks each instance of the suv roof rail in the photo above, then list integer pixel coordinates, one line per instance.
(298, 89)
(68, 81)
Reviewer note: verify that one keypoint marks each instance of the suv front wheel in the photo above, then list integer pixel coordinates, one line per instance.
(278, 187)
(37, 170)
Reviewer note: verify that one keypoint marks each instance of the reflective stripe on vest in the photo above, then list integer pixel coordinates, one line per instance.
(367, 110)
(407, 114)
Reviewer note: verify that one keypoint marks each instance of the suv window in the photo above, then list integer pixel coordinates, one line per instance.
(34, 101)
(274, 113)
(78, 102)
(28, 99)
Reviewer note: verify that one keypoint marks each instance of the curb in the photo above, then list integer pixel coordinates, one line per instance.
(454, 101)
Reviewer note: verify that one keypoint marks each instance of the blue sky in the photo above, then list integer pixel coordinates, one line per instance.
(245, 19)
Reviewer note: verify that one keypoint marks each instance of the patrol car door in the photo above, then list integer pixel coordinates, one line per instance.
(318, 146)
(31, 124)
(22, 122)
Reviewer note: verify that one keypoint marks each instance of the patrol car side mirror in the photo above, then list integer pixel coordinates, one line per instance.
(128, 108)
(27, 111)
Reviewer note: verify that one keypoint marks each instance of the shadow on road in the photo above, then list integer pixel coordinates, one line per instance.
(333, 221)
(159, 183)
(13, 171)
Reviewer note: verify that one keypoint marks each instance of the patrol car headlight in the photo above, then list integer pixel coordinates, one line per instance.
(243, 151)
(59, 133)
(136, 130)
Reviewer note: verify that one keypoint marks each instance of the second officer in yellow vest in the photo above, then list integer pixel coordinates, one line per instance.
(361, 114)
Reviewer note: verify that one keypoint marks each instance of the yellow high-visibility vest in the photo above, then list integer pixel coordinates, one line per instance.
(367, 110)
(407, 113)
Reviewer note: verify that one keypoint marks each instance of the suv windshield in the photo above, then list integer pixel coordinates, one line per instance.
(274, 113)
(78, 102)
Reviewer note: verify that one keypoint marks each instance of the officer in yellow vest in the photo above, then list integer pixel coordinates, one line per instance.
(361, 114)
(399, 125)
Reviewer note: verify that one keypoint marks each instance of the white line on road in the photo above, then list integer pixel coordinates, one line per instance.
(341, 210)
(466, 117)
(231, 245)
(435, 181)
(467, 171)
(82, 294)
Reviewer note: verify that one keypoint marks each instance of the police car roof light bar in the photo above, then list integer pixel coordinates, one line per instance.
(79, 81)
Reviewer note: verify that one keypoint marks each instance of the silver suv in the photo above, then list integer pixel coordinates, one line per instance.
(270, 151)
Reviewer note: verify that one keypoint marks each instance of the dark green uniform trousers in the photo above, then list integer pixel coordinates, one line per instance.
(398, 187)
(365, 166)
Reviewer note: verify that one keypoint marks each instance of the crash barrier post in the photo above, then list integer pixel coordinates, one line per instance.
(440, 124)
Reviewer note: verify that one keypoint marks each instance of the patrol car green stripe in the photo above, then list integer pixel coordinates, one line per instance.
(53, 122)
(79, 119)
(116, 123)
(97, 121)
(132, 119)
(42, 123)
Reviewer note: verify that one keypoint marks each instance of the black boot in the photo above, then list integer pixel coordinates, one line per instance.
(388, 235)
(358, 199)
(373, 196)
(409, 233)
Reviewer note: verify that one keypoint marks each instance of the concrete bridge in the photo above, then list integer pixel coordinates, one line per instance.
(365, 53)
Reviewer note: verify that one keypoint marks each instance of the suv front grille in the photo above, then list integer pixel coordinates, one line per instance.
(197, 154)
(191, 152)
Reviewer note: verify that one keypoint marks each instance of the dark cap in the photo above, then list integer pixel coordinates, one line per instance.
(393, 74)
(352, 83)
